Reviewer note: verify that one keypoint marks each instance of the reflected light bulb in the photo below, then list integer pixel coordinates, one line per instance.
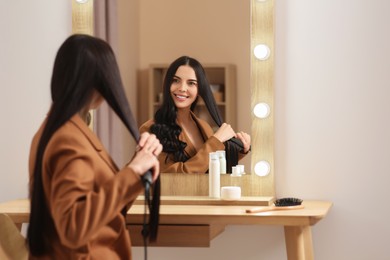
(262, 110)
(262, 52)
(81, 1)
(262, 168)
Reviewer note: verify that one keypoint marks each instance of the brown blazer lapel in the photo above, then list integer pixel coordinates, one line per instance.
(203, 128)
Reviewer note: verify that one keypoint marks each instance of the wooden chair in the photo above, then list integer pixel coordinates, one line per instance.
(12, 243)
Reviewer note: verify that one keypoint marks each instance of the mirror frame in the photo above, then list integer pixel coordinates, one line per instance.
(262, 91)
(262, 88)
(82, 17)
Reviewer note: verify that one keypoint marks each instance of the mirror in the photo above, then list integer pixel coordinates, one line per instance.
(259, 79)
(217, 33)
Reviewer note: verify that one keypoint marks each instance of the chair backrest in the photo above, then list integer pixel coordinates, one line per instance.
(12, 243)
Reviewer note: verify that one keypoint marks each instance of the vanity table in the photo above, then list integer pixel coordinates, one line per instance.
(202, 223)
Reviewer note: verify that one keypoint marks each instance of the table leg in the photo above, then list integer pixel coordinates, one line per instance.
(299, 243)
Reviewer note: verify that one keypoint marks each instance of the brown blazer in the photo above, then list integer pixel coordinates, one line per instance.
(85, 193)
(199, 160)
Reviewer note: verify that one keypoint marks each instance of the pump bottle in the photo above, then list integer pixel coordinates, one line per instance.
(214, 176)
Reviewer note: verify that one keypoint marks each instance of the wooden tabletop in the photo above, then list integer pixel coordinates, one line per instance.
(234, 215)
(313, 211)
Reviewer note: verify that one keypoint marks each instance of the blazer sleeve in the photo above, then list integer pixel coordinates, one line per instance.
(199, 162)
(78, 205)
(145, 127)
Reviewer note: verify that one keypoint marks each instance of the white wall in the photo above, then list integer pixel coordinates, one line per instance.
(31, 32)
(332, 128)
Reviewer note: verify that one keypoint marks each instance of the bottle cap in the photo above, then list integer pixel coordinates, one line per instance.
(213, 156)
(221, 153)
(235, 172)
(241, 168)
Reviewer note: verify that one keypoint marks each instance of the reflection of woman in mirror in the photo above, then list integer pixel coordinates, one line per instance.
(187, 140)
(77, 192)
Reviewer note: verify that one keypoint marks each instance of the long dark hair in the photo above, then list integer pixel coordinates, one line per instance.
(166, 127)
(83, 64)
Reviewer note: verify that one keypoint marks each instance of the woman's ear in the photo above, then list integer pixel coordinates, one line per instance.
(96, 100)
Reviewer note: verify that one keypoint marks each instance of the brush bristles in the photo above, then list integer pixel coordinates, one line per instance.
(283, 202)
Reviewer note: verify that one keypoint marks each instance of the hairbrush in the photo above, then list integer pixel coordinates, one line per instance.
(279, 204)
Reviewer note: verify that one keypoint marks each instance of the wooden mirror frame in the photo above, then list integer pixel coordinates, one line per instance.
(262, 87)
(262, 136)
(262, 91)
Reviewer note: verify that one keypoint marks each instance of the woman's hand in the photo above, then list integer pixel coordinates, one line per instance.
(145, 157)
(224, 133)
(246, 141)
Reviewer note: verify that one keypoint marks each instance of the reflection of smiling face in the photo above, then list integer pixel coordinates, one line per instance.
(184, 87)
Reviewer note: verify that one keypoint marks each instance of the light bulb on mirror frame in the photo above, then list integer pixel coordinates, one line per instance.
(261, 1)
(262, 110)
(262, 168)
(262, 51)
(81, 1)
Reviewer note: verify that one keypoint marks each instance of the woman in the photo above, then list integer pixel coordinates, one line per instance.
(187, 140)
(77, 192)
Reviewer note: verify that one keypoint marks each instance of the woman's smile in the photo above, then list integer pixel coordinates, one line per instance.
(181, 97)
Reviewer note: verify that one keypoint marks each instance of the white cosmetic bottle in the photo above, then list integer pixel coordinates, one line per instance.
(214, 176)
(222, 161)
(240, 168)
